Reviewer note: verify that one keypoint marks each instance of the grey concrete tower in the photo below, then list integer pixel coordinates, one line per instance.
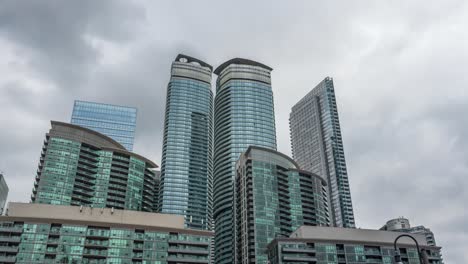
(317, 146)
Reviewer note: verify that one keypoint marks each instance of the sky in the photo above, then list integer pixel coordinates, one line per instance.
(399, 69)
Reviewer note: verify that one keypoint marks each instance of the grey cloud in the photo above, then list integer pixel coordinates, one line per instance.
(55, 35)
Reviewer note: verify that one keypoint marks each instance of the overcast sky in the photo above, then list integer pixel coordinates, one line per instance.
(399, 67)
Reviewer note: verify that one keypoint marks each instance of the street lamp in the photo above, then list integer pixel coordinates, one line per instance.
(421, 253)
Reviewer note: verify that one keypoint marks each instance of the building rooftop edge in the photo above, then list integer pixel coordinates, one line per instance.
(118, 147)
(192, 59)
(274, 152)
(221, 67)
(125, 106)
(87, 130)
(350, 235)
(303, 98)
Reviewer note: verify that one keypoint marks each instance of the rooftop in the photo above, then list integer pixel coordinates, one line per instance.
(240, 61)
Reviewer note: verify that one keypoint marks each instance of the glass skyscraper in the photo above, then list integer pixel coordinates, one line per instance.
(117, 122)
(273, 198)
(317, 146)
(186, 167)
(243, 116)
(79, 166)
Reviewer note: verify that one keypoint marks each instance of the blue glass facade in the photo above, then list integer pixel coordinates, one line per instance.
(116, 122)
(186, 167)
(244, 116)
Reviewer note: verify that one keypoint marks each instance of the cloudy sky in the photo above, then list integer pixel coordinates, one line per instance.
(399, 67)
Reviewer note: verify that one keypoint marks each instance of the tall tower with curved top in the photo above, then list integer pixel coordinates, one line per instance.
(186, 169)
(244, 116)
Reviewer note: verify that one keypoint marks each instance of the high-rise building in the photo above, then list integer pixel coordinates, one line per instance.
(317, 146)
(187, 166)
(243, 116)
(272, 198)
(402, 224)
(114, 121)
(39, 233)
(324, 245)
(3, 192)
(79, 166)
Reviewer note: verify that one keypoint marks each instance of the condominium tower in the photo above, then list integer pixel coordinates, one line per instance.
(326, 245)
(317, 146)
(243, 116)
(272, 198)
(79, 166)
(114, 121)
(186, 167)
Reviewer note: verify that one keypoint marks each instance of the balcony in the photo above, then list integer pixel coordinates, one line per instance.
(187, 242)
(175, 259)
(10, 239)
(12, 249)
(7, 259)
(299, 259)
(11, 230)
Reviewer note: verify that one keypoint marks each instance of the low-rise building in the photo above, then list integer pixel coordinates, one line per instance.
(3, 192)
(41, 233)
(272, 198)
(326, 245)
(402, 224)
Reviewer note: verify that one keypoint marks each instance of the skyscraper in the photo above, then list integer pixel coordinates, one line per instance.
(317, 146)
(3, 192)
(186, 167)
(79, 166)
(273, 198)
(243, 116)
(116, 122)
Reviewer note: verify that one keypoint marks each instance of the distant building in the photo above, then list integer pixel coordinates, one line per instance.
(272, 198)
(114, 121)
(79, 166)
(39, 233)
(402, 224)
(3, 192)
(317, 146)
(187, 164)
(324, 245)
(243, 116)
